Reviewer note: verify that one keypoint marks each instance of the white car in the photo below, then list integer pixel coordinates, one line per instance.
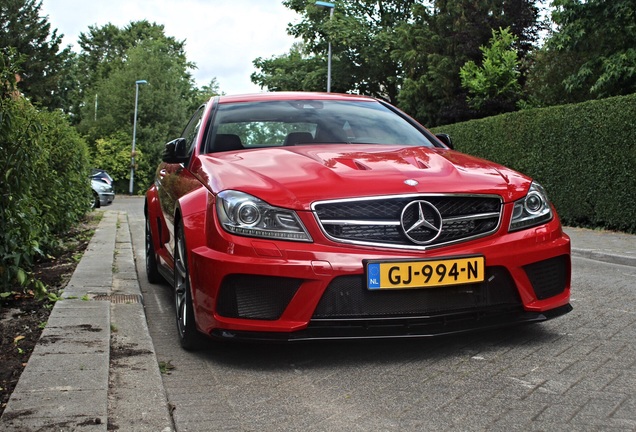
(103, 193)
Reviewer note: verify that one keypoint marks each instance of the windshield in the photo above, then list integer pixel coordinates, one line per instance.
(302, 122)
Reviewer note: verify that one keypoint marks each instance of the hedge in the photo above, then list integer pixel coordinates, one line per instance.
(44, 186)
(583, 154)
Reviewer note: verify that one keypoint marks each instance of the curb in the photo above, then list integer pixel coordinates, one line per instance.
(611, 258)
(94, 367)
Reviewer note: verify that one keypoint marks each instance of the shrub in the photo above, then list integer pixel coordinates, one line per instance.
(583, 154)
(44, 187)
(113, 155)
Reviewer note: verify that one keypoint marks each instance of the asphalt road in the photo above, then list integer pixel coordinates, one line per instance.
(577, 372)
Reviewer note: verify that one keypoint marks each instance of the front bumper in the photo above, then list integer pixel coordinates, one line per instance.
(106, 198)
(254, 289)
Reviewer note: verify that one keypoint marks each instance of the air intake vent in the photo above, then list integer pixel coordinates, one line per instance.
(346, 297)
(255, 297)
(549, 277)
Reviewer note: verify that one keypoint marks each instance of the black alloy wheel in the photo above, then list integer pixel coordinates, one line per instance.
(95, 203)
(189, 337)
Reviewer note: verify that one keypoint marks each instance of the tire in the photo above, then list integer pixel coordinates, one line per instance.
(152, 270)
(189, 337)
(95, 203)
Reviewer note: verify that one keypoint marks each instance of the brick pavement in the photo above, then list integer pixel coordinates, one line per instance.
(577, 372)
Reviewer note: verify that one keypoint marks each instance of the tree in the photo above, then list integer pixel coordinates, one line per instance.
(204, 93)
(362, 36)
(22, 28)
(103, 50)
(495, 84)
(594, 46)
(163, 105)
(294, 71)
(545, 85)
(441, 38)
(112, 154)
(111, 61)
(70, 88)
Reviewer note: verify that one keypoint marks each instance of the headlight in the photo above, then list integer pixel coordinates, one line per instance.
(243, 214)
(103, 188)
(534, 209)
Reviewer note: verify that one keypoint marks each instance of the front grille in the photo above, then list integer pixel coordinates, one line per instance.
(549, 277)
(347, 297)
(379, 221)
(255, 297)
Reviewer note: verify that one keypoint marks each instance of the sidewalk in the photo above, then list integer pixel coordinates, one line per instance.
(95, 369)
(606, 246)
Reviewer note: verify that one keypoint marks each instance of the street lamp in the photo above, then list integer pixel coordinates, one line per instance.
(331, 7)
(132, 155)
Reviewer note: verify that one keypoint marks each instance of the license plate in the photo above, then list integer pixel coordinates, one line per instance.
(424, 274)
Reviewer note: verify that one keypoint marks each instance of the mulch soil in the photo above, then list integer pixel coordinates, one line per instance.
(23, 317)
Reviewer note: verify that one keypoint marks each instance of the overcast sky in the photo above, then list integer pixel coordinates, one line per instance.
(222, 37)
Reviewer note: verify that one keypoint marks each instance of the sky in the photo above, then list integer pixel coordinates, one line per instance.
(222, 37)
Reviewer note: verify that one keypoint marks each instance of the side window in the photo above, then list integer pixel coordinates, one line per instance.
(191, 130)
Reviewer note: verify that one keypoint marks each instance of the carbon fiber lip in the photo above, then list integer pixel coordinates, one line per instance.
(407, 327)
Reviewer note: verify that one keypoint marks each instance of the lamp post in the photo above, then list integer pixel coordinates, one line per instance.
(331, 7)
(132, 155)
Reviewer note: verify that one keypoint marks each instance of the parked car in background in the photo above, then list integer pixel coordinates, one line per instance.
(296, 216)
(101, 175)
(102, 185)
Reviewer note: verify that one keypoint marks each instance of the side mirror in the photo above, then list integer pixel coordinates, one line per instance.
(446, 140)
(175, 151)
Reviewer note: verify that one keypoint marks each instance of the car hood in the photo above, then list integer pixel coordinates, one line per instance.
(294, 177)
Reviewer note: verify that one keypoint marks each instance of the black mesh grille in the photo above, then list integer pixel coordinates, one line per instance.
(549, 277)
(348, 297)
(390, 208)
(377, 221)
(255, 297)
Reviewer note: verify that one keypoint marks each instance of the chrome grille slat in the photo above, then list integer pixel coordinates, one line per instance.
(472, 217)
(377, 221)
(360, 222)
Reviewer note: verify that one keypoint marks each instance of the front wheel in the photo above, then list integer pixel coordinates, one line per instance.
(189, 337)
(95, 202)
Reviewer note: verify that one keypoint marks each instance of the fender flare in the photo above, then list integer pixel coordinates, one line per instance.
(191, 212)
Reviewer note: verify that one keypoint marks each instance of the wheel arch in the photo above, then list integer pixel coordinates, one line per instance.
(190, 213)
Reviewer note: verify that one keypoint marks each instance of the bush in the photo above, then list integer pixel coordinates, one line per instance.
(44, 187)
(113, 155)
(583, 154)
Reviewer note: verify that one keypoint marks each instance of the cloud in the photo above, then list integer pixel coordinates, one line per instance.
(222, 37)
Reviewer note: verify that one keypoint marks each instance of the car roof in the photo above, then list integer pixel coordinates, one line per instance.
(282, 96)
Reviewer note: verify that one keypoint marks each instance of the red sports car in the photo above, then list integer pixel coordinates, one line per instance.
(295, 216)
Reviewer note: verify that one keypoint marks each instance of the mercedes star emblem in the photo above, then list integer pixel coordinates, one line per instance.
(421, 222)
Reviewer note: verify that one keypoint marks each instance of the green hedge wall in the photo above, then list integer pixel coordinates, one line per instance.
(583, 154)
(44, 186)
